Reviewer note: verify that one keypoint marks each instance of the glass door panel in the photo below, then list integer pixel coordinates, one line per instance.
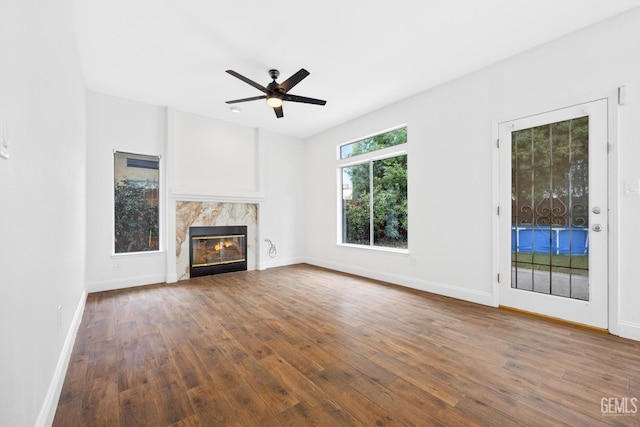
(550, 196)
(553, 249)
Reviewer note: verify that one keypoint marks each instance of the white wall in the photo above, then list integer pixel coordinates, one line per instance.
(211, 160)
(42, 206)
(444, 197)
(203, 159)
(452, 155)
(122, 125)
(281, 215)
(213, 157)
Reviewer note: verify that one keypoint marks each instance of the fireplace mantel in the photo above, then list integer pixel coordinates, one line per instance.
(198, 195)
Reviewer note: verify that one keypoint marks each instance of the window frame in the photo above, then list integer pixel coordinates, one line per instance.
(368, 158)
(160, 249)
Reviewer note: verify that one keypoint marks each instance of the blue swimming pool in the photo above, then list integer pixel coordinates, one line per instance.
(554, 240)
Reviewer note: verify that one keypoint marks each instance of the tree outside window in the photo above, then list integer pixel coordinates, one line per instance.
(374, 193)
(136, 203)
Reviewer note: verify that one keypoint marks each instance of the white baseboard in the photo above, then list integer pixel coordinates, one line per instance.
(629, 330)
(485, 298)
(50, 405)
(279, 263)
(128, 282)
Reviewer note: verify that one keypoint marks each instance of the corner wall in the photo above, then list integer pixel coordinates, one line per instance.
(282, 219)
(452, 188)
(42, 200)
(212, 161)
(116, 124)
(203, 160)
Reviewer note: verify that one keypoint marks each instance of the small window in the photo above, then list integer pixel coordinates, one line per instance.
(136, 202)
(367, 145)
(133, 162)
(374, 192)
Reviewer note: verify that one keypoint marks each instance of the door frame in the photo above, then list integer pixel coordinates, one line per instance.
(613, 183)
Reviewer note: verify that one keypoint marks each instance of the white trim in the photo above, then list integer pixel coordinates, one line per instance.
(484, 298)
(272, 263)
(613, 202)
(170, 205)
(495, 205)
(50, 405)
(141, 254)
(371, 135)
(372, 156)
(629, 330)
(368, 158)
(543, 108)
(374, 248)
(161, 201)
(503, 294)
(616, 327)
(203, 195)
(126, 282)
(339, 195)
(261, 175)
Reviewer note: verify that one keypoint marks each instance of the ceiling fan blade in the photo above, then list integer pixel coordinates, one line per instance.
(279, 112)
(253, 98)
(286, 85)
(304, 99)
(249, 81)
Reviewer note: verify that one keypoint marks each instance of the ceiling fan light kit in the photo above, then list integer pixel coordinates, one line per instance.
(276, 93)
(274, 101)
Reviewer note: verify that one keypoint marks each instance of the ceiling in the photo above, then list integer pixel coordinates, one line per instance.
(362, 54)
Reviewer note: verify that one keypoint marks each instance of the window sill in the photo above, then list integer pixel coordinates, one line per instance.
(137, 254)
(375, 248)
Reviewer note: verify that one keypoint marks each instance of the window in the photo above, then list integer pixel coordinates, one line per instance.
(136, 204)
(388, 139)
(374, 190)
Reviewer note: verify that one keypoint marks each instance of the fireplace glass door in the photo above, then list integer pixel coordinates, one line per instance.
(218, 249)
(214, 250)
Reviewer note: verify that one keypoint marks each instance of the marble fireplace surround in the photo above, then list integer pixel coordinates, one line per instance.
(189, 214)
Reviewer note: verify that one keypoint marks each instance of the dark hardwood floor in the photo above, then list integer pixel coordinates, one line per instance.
(299, 345)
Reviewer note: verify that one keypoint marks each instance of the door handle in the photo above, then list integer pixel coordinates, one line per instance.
(597, 228)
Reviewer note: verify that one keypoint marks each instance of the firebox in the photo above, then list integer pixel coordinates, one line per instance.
(219, 249)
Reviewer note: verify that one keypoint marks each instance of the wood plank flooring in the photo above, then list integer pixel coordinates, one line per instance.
(300, 345)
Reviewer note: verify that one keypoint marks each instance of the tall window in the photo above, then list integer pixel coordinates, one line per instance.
(374, 190)
(136, 204)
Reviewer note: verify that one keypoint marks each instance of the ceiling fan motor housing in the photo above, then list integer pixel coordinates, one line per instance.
(273, 87)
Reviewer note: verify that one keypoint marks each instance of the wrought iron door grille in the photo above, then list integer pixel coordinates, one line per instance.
(550, 200)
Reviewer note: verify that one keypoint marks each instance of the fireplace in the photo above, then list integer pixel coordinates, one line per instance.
(219, 249)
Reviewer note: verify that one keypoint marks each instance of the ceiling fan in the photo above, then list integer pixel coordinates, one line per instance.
(276, 93)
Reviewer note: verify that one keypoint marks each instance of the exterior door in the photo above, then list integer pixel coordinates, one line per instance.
(553, 214)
